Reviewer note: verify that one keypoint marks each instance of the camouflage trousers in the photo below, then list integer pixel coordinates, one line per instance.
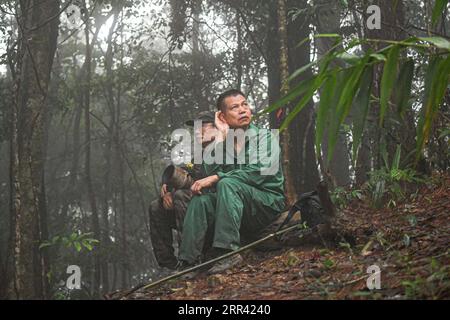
(163, 221)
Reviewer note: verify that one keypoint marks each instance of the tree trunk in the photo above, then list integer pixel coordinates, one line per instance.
(38, 21)
(87, 165)
(303, 156)
(291, 196)
(273, 62)
(108, 151)
(197, 78)
(238, 53)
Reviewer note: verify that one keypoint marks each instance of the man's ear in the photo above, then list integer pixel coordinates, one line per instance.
(221, 116)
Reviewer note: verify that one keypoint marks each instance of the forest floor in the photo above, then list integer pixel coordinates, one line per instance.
(408, 242)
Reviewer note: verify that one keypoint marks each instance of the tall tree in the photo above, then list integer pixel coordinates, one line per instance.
(86, 96)
(284, 74)
(38, 22)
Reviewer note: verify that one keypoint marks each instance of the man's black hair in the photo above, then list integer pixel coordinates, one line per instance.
(229, 93)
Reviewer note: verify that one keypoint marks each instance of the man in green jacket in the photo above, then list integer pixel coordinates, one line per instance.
(247, 198)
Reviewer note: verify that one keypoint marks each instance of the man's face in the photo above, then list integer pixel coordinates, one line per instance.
(237, 112)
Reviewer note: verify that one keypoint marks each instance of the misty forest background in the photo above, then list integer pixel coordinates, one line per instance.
(90, 91)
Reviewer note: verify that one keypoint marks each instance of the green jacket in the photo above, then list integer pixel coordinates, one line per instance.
(251, 173)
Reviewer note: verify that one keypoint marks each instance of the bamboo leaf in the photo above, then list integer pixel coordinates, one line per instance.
(326, 100)
(294, 93)
(439, 42)
(318, 81)
(303, 102)
(387, 80)
(301, 70)
(327, 35)
(404, 84)
(349, 58)
(396, 161)
(436, 82)
(438, 9)
(361, 104)
(334, 123)
(45, 244)
(378, 56)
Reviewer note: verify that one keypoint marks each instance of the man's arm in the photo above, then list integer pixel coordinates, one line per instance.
(207, 182)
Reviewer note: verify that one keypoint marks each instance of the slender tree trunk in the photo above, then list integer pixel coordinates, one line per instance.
(108, 151)
(291, 196)
(197, 76)
(87, 165)
(239, 59)
(304, 167)
(273, 62)
(38, 22)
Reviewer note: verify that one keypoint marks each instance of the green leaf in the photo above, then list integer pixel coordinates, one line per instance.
(325, 105)
(327, 35)
(378, 56)
(91, 240)
(439, 42)
(344, 3)
(396, 161)
(329, 263)
(45, 244)
(87, 245)
(438, 9)
(294, 93)
(303, 102)
(361, 108)
(444, 133)
(301, 70)
(436, 82)
(318, 81)
(387, 80)
(349, 58)
(404, 85)
(334, 123)
(77, 246)
(345, 102)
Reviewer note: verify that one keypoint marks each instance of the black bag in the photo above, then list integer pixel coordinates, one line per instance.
(311, 211)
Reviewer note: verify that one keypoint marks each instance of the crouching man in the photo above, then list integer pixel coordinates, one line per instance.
(248, 197)
(168, 211)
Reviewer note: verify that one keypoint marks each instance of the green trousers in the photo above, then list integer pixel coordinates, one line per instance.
(235, 209)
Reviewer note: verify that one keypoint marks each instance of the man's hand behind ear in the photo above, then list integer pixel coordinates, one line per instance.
(163, 190)
(221, 125)
(167, 201)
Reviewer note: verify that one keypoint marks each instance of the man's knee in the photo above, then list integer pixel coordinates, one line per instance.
(227, 184)
(200, 201)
